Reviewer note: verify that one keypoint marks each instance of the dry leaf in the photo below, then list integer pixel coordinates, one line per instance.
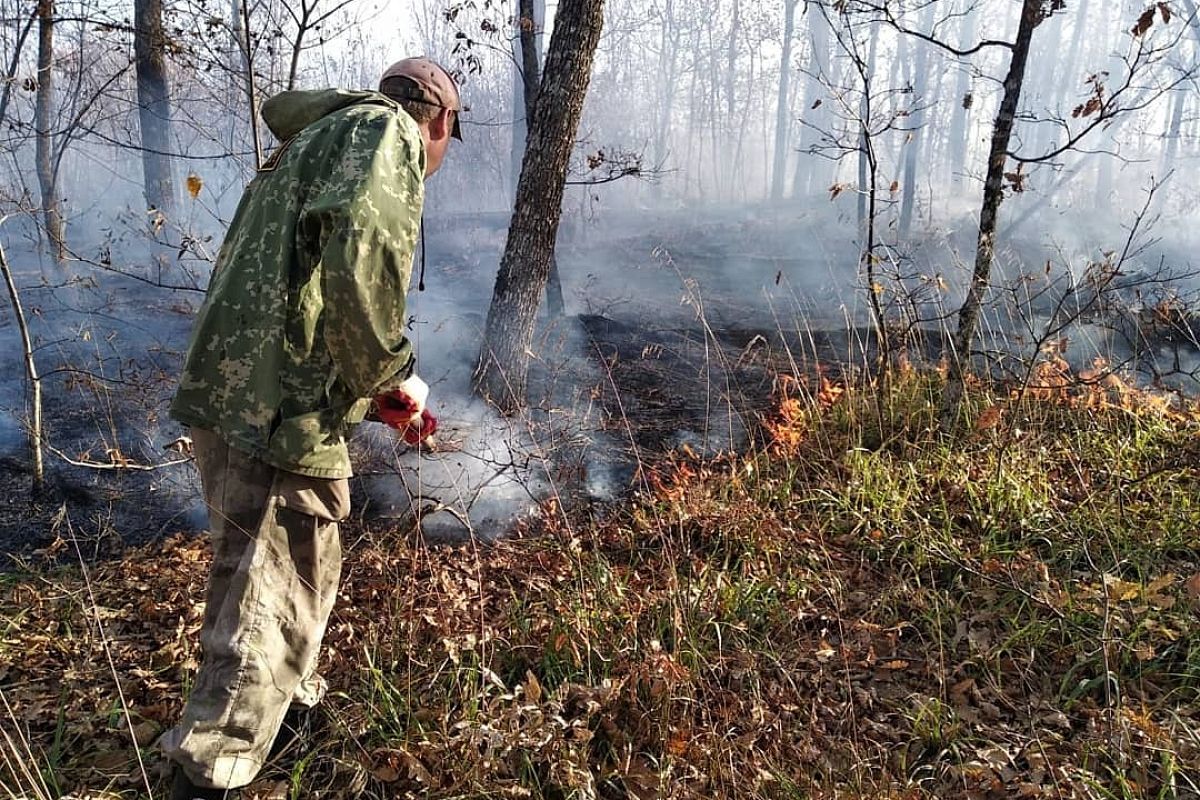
(194, 185)
(989, 419)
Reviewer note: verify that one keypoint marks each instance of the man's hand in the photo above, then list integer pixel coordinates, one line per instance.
(404, 409)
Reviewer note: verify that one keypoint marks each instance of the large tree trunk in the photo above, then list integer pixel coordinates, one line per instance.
(783, 113)
(993, 195)
(154, 105)
(531, 71)
(504, 359)
(44, 126)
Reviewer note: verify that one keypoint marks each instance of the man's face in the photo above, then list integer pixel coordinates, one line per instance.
(437, 140)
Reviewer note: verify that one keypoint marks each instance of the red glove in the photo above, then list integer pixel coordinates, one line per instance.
(420, 429)
(404, 409)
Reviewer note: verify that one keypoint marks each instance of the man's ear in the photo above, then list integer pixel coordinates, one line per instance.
(439, 126)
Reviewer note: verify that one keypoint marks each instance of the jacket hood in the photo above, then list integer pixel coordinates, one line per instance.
(288, 113)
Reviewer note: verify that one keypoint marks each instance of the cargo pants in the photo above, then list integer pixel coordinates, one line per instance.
(276, 562)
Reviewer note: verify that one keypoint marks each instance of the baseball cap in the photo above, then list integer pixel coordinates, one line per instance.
(424, 80)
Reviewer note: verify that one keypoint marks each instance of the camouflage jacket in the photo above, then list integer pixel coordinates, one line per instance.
(304, 319)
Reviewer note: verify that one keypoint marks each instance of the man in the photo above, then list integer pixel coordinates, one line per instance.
(303, 326)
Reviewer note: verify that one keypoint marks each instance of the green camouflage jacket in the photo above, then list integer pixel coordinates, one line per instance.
(304, 320)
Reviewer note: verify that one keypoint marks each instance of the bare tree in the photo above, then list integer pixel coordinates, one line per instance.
(524, 269)
(154, 105)
(783, 113)
(47, 169)
(31, 373)
(1033, 13)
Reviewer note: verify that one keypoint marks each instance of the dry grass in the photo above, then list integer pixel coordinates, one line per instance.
(858, 609)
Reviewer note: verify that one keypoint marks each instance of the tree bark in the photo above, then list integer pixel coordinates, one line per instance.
(993, 195)
(783, 115)
(505, 356)
(31, 372)
(44, 127)
(531, 71)
(154, 105)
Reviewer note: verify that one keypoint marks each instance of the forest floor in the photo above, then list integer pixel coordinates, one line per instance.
(854, 607)
(785, 586)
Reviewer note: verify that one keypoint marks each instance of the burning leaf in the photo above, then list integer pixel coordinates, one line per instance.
(194, 185)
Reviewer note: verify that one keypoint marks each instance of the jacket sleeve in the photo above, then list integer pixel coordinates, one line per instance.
(366, 216)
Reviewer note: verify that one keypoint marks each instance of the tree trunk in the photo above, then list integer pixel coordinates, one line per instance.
(44, 125)
(960, 142)
(10, 78)
(531, 70)
(812, 169)
(31, 372)
(668, 61)
(1175, 129)
(241, 37)
(920, 96)
(783, 114)
(993, 195)
(154, 105)
(868, 164)
(504, 359)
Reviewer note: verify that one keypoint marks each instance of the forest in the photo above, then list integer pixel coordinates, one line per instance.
(817, 386)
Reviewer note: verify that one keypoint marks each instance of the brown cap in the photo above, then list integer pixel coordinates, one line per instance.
(425, 81)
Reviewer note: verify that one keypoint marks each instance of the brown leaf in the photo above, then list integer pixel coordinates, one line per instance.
(1165, 10)
(194, 185)
(1144, 23)
(989, 419)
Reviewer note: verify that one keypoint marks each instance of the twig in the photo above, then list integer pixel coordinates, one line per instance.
(115, 465)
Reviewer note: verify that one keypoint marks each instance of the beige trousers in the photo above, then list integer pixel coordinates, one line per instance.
(277, 558)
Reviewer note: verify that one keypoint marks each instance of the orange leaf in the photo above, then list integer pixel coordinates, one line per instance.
(194, 185)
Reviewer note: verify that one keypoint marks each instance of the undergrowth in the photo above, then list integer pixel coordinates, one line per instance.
(860, 607)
